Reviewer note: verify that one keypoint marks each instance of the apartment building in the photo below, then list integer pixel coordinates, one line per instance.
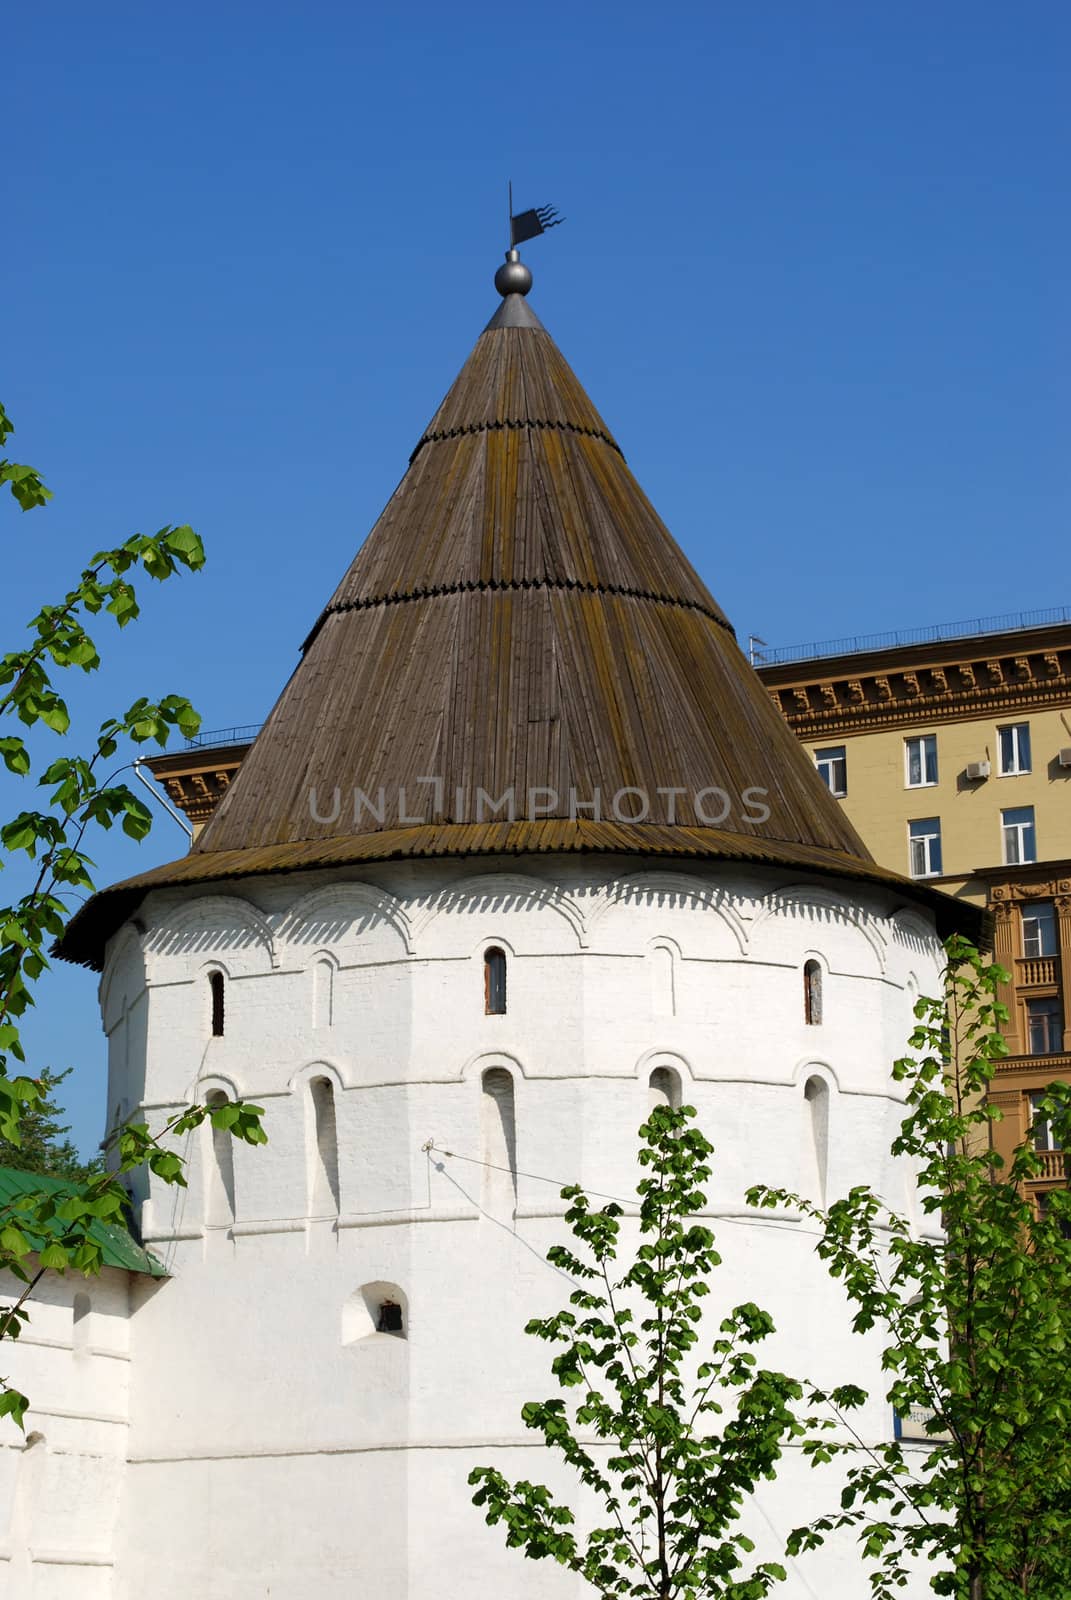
(950, 750)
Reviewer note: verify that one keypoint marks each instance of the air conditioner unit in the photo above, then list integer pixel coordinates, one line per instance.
(1064, 758)
(977, 770)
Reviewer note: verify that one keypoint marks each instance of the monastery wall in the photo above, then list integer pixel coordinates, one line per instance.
(61, 1481)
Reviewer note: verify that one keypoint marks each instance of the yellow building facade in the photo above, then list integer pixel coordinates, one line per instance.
(952, 757)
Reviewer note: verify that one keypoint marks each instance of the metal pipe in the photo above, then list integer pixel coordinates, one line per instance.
(162, 800)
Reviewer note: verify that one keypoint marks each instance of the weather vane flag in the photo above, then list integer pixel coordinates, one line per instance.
(529, 224)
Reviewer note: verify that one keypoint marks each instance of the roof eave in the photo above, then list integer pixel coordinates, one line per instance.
(87, 935)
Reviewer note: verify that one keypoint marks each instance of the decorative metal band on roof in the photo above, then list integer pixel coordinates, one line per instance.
(516, 586)
(514, 422)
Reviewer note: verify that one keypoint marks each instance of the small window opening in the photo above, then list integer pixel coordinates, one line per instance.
(812, 992)
(323, 997)
(390, 1318)
(664, 1089)
(375, 1308)
(494, 982)
(215, 984)
(663, 981)
(816, 1099)
(499, 1127)
(323, 1176)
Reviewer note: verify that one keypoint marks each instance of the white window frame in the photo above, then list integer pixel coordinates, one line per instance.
(1052, 1006)
(1017, 768)
(1042, 1138)
(1013, 835)
(927, 743)
(926, 841)
(1043, 916)
(827, 757)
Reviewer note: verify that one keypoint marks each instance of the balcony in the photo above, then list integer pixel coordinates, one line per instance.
(1035, 971)
(1053, 1166)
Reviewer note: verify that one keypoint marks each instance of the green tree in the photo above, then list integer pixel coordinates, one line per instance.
(84, 790)
(975, 1313)
(686, 1427)
(43, 1144)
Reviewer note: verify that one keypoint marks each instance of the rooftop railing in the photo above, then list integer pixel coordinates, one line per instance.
(215, 737)
(764, 655)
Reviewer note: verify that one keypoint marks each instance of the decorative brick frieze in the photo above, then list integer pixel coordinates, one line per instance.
(978, 686)
(196, 780)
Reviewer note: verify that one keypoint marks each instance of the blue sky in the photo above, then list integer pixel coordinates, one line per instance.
(814, 276)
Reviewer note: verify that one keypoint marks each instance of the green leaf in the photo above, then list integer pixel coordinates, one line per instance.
(14, 1405)
(22, 834)
(168, 1166)
(13, 1241)
(186, 546)
(56, 717)
(25, 485)
(137, 821)
(16, 756)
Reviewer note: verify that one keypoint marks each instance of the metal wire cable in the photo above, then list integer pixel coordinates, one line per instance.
(537, 1177)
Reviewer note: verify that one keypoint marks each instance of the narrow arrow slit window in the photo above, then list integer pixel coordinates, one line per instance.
(215, 986)
(812, 992)
(494, 982)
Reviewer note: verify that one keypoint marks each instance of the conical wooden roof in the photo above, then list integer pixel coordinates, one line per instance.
(518, 623)
(520, 619)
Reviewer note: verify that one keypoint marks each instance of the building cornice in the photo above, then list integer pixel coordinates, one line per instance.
(973, 681)
(196, 779)
(1025, 880)
(1050, 1067)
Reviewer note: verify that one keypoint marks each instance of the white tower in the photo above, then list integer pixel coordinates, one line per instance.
(522, 847)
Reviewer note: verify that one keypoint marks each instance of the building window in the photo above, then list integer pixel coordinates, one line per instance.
(812, 992)
(832, 764)
(1044, 1028)
(375, 1308)
(664, 1089)
(1020, 838)
(494, 982)
(920, 758)
(1039, 931)
(215, 987)
(1042, 1135)
(390, 1318)
(1014, 749)
(925, 847)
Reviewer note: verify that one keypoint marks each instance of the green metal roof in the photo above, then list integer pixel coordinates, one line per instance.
(119, 1247)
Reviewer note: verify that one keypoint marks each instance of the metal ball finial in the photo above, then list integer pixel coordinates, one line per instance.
(513, 277)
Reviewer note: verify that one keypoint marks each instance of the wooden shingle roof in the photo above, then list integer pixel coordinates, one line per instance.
(519, 622)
